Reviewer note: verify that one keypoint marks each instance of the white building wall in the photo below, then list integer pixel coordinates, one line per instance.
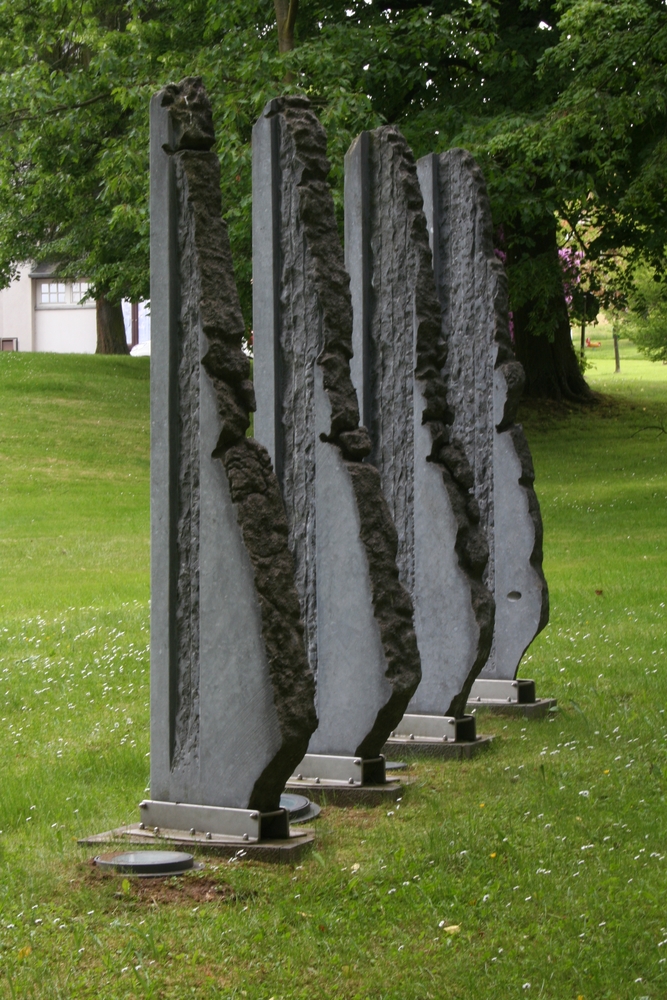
(63, 328)
(66, 331)
(16, 311)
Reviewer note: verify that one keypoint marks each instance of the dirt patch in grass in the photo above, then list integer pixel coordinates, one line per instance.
(175, 890)
(198, 888)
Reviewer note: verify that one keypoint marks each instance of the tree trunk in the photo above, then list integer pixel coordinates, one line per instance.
(552, 370)
(111, 337)
(286, 11)
(583, 338)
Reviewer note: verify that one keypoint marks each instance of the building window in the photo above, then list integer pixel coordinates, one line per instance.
(52, 291)
(79, 289)
(63, 294)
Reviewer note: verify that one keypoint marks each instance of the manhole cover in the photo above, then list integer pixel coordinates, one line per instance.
(152, 863)
(299, 807)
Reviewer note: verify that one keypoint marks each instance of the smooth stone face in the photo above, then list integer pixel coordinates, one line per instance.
(351, 682)
(232, 698)
(225, 730)
(447, 632)
(397, 338)
(266, 285)
(484, 383)
(359, 632)
(521, 595)
(240, 733)
(164, 312)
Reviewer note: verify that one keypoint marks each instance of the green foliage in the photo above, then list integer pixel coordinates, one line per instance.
(563, 104)
(72, 189)
(75, 83)
(645, 321)
(611, 119)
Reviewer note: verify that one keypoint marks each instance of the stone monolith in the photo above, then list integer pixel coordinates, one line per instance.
(358, 616)
(399, 357)
(232, 694)
(484, 384)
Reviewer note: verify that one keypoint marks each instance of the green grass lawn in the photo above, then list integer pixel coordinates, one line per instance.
(74, 469)
(635, 367)
(548, 854)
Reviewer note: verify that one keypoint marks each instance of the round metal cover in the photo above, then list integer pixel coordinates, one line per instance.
(395, 765)
(299, 807)
(153, 863)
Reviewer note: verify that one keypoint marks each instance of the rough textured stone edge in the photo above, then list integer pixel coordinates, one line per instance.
(391, 602)
(447, 453)
(511, 369)
(253, 484)
(187, 720)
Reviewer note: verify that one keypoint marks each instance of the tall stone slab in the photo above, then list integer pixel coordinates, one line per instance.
(484, 385)
(399, 356)
(358, 617)
(232, 695)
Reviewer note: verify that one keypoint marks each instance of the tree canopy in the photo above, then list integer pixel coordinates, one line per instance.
(644, 320)
(563, 104)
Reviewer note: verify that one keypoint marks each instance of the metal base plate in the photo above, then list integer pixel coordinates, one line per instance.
(283, 851)
(437, 727)
(508, 697)
(243, 825)
(336, 793)
(537, 709)
(317, 767)
(421, 746)
(491, 690)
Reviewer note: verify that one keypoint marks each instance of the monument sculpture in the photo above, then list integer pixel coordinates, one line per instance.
(232, 694)
(399, 356)
(342, 556)
(484, 385)
(357, 614)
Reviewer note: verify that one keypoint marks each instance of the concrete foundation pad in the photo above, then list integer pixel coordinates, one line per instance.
(421, 746)
(333, 793)
(272, 851)
(537, 709)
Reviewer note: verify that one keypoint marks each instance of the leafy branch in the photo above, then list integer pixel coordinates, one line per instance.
(11, 122)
